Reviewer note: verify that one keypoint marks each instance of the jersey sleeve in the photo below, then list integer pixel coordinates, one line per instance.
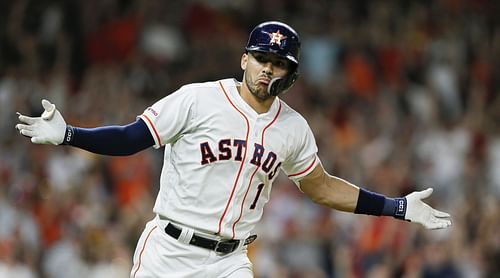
(170, 117)
(303, 158)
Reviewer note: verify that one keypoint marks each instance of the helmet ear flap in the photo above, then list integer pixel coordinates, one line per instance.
(281, 84)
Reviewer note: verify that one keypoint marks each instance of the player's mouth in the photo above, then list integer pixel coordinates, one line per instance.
(263, 80)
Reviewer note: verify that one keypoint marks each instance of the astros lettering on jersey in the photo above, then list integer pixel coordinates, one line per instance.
(221, 156)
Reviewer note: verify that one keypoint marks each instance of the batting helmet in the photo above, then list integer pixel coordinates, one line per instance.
(280, 39)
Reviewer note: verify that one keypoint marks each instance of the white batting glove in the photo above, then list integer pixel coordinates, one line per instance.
(420, 212)
(49, 128)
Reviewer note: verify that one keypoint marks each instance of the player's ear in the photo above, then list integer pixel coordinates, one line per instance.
(244, 61)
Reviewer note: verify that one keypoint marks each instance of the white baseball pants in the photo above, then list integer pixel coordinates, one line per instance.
(160, 255)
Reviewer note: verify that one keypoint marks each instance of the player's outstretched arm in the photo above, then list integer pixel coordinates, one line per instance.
(339, 194)
(50, 128)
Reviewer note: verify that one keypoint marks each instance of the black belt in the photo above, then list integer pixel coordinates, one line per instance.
(220, 246)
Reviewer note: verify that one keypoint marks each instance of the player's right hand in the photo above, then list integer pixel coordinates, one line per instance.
(49, 128)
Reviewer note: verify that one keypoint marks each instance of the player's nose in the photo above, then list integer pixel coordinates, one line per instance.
(267, 68)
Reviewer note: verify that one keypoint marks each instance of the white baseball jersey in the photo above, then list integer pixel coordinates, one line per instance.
(221, 156)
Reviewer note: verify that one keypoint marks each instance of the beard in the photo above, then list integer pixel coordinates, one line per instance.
(257, 90)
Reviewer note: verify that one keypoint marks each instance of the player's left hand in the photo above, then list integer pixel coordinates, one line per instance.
(49, 128)
(419, 212)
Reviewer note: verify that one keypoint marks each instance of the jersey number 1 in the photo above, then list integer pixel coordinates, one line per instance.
(259, 190)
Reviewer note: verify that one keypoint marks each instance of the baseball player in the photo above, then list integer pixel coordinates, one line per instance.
(225, 143)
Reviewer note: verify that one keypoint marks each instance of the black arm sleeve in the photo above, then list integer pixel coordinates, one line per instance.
(111, 140)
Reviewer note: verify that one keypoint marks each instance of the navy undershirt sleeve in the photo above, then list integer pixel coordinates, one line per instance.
(111, 140)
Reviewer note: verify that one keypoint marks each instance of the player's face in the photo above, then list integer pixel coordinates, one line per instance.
(260, 68)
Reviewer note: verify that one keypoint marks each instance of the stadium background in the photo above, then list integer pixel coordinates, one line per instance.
(400, 94)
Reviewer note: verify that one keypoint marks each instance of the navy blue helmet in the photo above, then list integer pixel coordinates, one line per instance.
(280, 39)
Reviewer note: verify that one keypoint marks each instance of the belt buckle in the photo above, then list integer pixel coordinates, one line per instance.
(226, 246)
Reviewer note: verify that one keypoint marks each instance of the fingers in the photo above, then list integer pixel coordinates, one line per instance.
(437, 220)
(37, 140)
(440, 214)
(437, 223)
(26, 119)
(440, 225)
(21, 127)
(26, 132)
(28, 128)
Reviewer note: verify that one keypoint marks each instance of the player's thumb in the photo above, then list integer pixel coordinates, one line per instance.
(47, 105)
(49, 109)
(425, 193)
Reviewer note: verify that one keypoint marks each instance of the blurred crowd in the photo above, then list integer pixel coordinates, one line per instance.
(401, 96)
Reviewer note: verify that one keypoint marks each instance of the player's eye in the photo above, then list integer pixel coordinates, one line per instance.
(260, 58)
(280, 64)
